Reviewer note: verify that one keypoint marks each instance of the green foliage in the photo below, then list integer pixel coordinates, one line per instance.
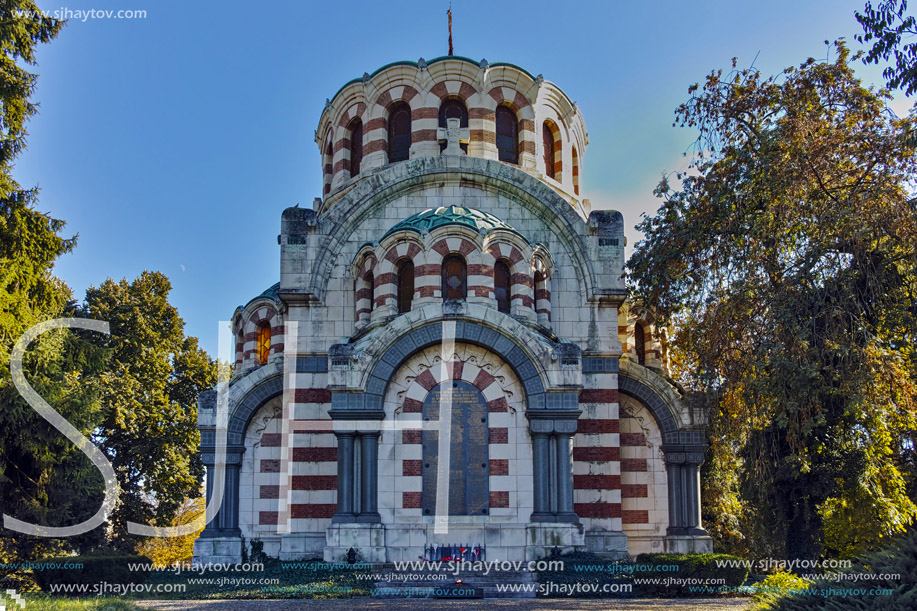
(889, 27)
(43, 478)
(318, 581)
(893, 569)
(775, 586)
(166, 551)
(787, 258)
(47, 603)
(149, 398)
(695, 567)
(589, 570)
(95, 570)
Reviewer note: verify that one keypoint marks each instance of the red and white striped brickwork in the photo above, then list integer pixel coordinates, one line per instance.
(596, 454)
(653, 337)
(246, 324)
(311, 460)
(428, 260)
(424, 91)
(364, 283)
(401, 452)
(644, 492)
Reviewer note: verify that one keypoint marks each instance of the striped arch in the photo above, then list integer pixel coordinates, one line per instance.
(543, 270)
(327, 163)
(264, 314)
(522, 292)
(480, 276)
(386, 280)
(363, 290)
(558, 150)
(341, 150)
(525, 115)
(457, 370)
(375, 125)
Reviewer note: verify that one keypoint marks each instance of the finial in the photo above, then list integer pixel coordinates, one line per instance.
(327, 103)
(539, 79)
(449, 12)
(483, 64)
(365, 77)
(421, 64)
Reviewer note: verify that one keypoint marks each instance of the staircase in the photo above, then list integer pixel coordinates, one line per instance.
(428, 583)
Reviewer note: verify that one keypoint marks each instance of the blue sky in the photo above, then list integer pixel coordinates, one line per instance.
(173, 142)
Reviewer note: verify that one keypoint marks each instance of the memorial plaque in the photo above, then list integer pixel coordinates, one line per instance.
(469, 463)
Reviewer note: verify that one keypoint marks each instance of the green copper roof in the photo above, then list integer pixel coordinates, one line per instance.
(431, 218)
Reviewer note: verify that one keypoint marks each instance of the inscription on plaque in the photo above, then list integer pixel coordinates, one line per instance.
(469, 464)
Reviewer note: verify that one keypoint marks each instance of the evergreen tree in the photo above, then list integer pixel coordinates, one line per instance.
(44, 479)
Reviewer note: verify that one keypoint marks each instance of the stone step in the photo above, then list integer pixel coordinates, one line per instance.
(483, 585)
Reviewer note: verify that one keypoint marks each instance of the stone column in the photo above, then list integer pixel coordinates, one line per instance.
(226, 521)
(564, 444)
(541, 473)
(212, 527)
(345, 512)
(683, 475)
(692, 488)
(230, 509)
(673, 478)
(369, 493)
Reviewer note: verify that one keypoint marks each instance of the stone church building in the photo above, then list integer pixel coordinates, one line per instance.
(449, 357)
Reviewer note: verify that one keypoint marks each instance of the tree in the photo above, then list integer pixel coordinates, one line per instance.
(43, 478)
(149, 400)
(166, 551)
(889, 27)
(787, 257)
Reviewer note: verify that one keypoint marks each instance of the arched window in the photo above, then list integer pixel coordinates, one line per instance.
(507, 134)
(356, 146)
(455, 277)
(370, 281)
(453, 109)
(575, 169)
(547, 135)
(399, 132)
(264, 342)
(502, 286)
(329, 167)
(640, 343)
(405, 285)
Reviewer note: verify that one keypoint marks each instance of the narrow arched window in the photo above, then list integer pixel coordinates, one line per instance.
(455, 277)
(507, 135)
(547, 135)
(405, 286)
(370, 289)
(399, 132)
(264, 342)
(640, 343)
(329, 167)
(453, 109)
(575, 169)
(502, 286)
(356, 146)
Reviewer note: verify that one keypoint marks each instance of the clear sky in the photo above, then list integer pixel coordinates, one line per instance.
(174, 142)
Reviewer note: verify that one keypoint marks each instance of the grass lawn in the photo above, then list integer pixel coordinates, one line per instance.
(42, 602)
(313, 583)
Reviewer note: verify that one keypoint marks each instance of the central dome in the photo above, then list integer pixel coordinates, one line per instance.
(431, 218)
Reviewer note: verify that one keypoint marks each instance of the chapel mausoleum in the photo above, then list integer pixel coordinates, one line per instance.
(449, 357)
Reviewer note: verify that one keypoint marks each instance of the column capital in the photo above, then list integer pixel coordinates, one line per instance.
(680, 454)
